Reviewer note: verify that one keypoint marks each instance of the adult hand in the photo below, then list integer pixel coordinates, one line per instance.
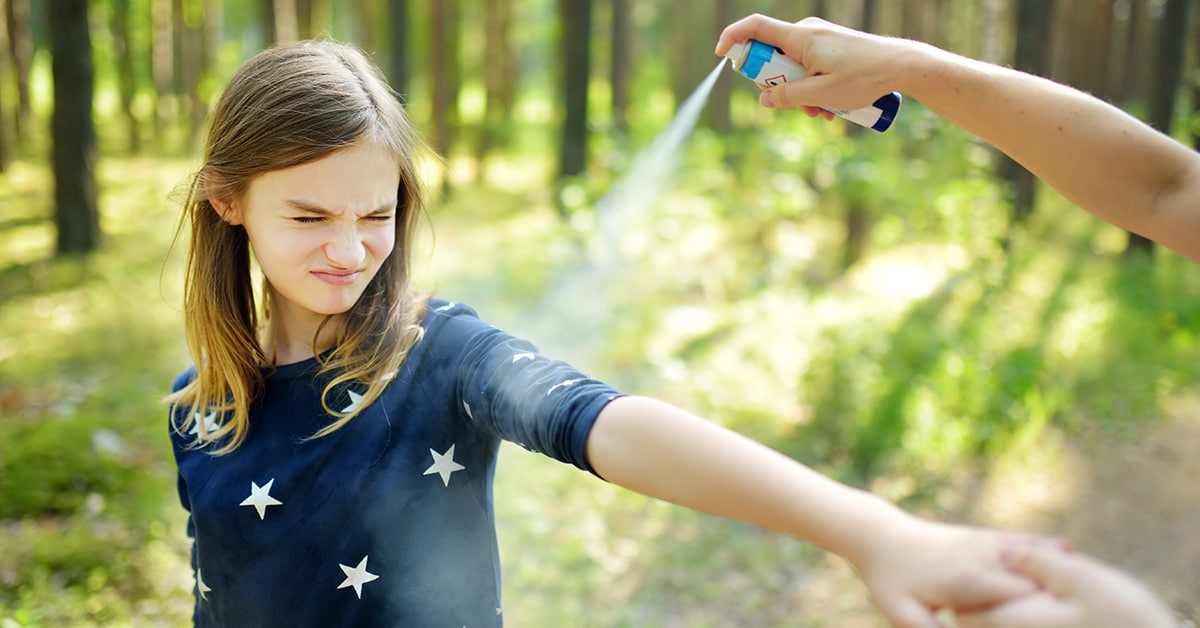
(847, 69)
(1076, 592)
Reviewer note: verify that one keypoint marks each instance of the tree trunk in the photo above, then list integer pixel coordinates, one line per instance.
(266, 21)
(160, 64)
(576, 22)
(1034, 19)
(20, 51)
(1100, 29)
(5, 148)
(189, 60)
(398, 70)
(857, 219)
(304, 18)
(1169, 51)
(1194, 83)
(364, 20)
(126, 76)
(718, 103)
(444, 70)
(76, 214)
(1135, 59)
(622, 59)
(689, 43)
(500, 77)
(995, 31)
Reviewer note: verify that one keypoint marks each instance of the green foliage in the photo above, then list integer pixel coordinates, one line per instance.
(954, 340)
(88, 533)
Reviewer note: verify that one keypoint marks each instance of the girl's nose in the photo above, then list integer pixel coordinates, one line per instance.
(346, 250)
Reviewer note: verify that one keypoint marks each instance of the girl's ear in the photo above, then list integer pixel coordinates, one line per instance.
(227, 210)
(220, 199)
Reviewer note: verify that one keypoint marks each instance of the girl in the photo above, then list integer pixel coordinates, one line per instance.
(337, 436)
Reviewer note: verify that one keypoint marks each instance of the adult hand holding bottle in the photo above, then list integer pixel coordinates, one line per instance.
(1101, 158)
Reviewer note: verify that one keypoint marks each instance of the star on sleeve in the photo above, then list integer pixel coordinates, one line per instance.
(564, 384)
(260, 498)
(443, 465)
(201, 587)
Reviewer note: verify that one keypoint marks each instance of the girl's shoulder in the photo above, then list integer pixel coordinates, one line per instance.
(184, 378)
(438, 309)
(443, 317)
(452, 328)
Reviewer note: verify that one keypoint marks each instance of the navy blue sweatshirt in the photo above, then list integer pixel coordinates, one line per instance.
(389, 520)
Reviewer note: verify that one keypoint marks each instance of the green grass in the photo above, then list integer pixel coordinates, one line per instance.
(936, 353)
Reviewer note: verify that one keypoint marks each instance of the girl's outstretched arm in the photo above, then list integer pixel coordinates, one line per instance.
(1101, 158)
(911, 566)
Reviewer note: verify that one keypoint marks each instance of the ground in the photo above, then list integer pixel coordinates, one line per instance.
(1130, 498)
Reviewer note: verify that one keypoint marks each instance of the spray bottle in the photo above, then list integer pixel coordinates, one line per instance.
(767, 66)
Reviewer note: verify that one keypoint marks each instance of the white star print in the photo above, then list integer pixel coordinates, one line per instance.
(207, 424)
(201, 587)
(355, 401)
(260, 498)
(443, 465)
(357, 576)
(467, 407)
(522, 356)
(563, 384)
(448, 306)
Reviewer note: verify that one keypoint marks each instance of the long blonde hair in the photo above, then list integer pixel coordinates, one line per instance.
(288, 106)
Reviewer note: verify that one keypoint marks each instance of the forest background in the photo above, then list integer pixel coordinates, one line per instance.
(908, 312)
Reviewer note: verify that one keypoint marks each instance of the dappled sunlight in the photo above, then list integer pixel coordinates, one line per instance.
(25, 245)
(904, 274)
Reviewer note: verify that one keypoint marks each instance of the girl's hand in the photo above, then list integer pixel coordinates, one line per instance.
(919, 567)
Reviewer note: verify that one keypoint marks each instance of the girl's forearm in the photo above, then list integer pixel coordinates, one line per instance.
(661, 451)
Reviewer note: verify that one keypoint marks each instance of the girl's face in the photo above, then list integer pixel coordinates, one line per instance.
(320, 231)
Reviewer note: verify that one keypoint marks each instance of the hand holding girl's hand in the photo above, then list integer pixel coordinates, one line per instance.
(918, 567)
(847, 69)
(1076, 592)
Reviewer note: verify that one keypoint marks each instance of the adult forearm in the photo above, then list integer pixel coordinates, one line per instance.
(661, 451)
(1096, 155)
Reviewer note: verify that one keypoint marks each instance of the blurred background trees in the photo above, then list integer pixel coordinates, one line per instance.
(920, 307)
(475, 71)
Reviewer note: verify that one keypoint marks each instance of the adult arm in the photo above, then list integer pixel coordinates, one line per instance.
(1096, 155)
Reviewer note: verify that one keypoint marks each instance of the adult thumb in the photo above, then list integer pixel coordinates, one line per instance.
(802, 93)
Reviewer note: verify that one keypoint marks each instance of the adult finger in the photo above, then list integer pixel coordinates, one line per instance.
(765, 29)
(1038, 610)
(1055, 571)
(807, 92)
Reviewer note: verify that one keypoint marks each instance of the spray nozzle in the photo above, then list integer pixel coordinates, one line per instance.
(737, 53)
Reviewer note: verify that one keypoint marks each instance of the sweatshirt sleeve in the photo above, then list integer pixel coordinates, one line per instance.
(507, 387)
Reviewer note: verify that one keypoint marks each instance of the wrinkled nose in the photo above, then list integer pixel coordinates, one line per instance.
(346, 250)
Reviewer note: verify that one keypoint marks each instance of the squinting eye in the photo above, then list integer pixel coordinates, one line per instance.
(306, 219)
(380, 217)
